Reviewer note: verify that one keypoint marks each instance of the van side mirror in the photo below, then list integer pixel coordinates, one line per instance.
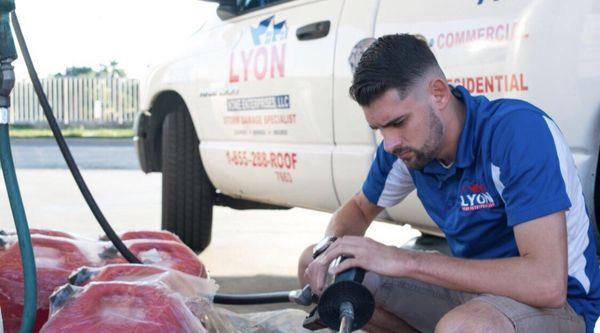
(225, 12)
(227, 8)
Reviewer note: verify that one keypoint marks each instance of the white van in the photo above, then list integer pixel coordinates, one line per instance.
(257, 110)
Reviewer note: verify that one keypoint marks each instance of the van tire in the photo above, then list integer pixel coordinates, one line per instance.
(187, 193)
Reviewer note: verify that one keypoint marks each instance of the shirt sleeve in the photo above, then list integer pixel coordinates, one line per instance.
(388, 181)
(526, 166)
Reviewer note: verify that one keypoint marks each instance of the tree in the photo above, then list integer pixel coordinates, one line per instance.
(111, 71)
(106, 71)
(77, 72)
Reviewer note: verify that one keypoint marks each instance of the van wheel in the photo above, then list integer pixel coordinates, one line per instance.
(187, 193)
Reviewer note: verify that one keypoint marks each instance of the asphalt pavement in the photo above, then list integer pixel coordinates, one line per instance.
(89, 153)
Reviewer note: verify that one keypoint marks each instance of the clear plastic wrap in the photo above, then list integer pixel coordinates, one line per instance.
(57, 254)
(129, 297)
(163, 253)
(122, 307)
(55, 259)
(281, 321)
(150, 234)
(54, 233)
(198, 292)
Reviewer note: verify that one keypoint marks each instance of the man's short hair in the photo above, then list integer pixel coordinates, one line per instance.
(392, 61)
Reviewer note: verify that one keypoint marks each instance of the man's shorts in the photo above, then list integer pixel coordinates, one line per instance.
(422, 305)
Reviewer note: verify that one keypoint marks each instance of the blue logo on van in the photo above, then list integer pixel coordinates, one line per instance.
(479, 2)
(269, 31)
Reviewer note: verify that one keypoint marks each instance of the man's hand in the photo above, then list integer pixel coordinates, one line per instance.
(353, 218)
(316, 273)
(368, 254)
(361, 252)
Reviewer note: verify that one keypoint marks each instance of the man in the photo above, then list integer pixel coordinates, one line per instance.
(498, 179)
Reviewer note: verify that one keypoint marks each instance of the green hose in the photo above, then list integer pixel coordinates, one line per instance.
(16, 205)
(7, 55)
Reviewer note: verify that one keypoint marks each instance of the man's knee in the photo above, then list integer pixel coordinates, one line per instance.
(474, 316)
(303, 262)
(383, 321)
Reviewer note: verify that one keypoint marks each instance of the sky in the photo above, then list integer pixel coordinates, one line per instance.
(135, 33)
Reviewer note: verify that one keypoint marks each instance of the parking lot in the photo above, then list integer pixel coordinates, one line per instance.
(254, 250)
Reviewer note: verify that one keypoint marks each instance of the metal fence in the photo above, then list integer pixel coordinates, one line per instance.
(78, 101)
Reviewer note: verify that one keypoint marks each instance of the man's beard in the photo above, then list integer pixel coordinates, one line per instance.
(430, 149)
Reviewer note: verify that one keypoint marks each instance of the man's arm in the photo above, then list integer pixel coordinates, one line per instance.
(388, 182)
(537, 277)
(353, 218)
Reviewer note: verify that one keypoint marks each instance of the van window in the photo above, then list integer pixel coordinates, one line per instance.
(253, 4)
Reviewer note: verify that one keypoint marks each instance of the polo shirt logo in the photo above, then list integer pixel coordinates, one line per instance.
(475, 197)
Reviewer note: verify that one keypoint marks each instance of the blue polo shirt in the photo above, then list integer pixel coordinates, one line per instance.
(512, 165)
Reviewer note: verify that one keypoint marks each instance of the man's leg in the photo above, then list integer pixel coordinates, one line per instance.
(386, 322)
(474, 316)
(417, 305)
(490, 313)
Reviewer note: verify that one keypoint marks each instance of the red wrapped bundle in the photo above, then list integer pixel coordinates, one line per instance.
(121, 307)
(11, 236)
(57, 254)
(163, 253)
(53, 233)
(161, 234)
(198, 292)
(114, 272)
(55, 259)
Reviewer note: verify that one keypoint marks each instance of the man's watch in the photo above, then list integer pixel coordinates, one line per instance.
(323, 245)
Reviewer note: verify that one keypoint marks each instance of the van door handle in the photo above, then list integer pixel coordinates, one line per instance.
(313, 31)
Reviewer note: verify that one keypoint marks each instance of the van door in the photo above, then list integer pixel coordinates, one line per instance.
(354, 140)
(263, 108)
